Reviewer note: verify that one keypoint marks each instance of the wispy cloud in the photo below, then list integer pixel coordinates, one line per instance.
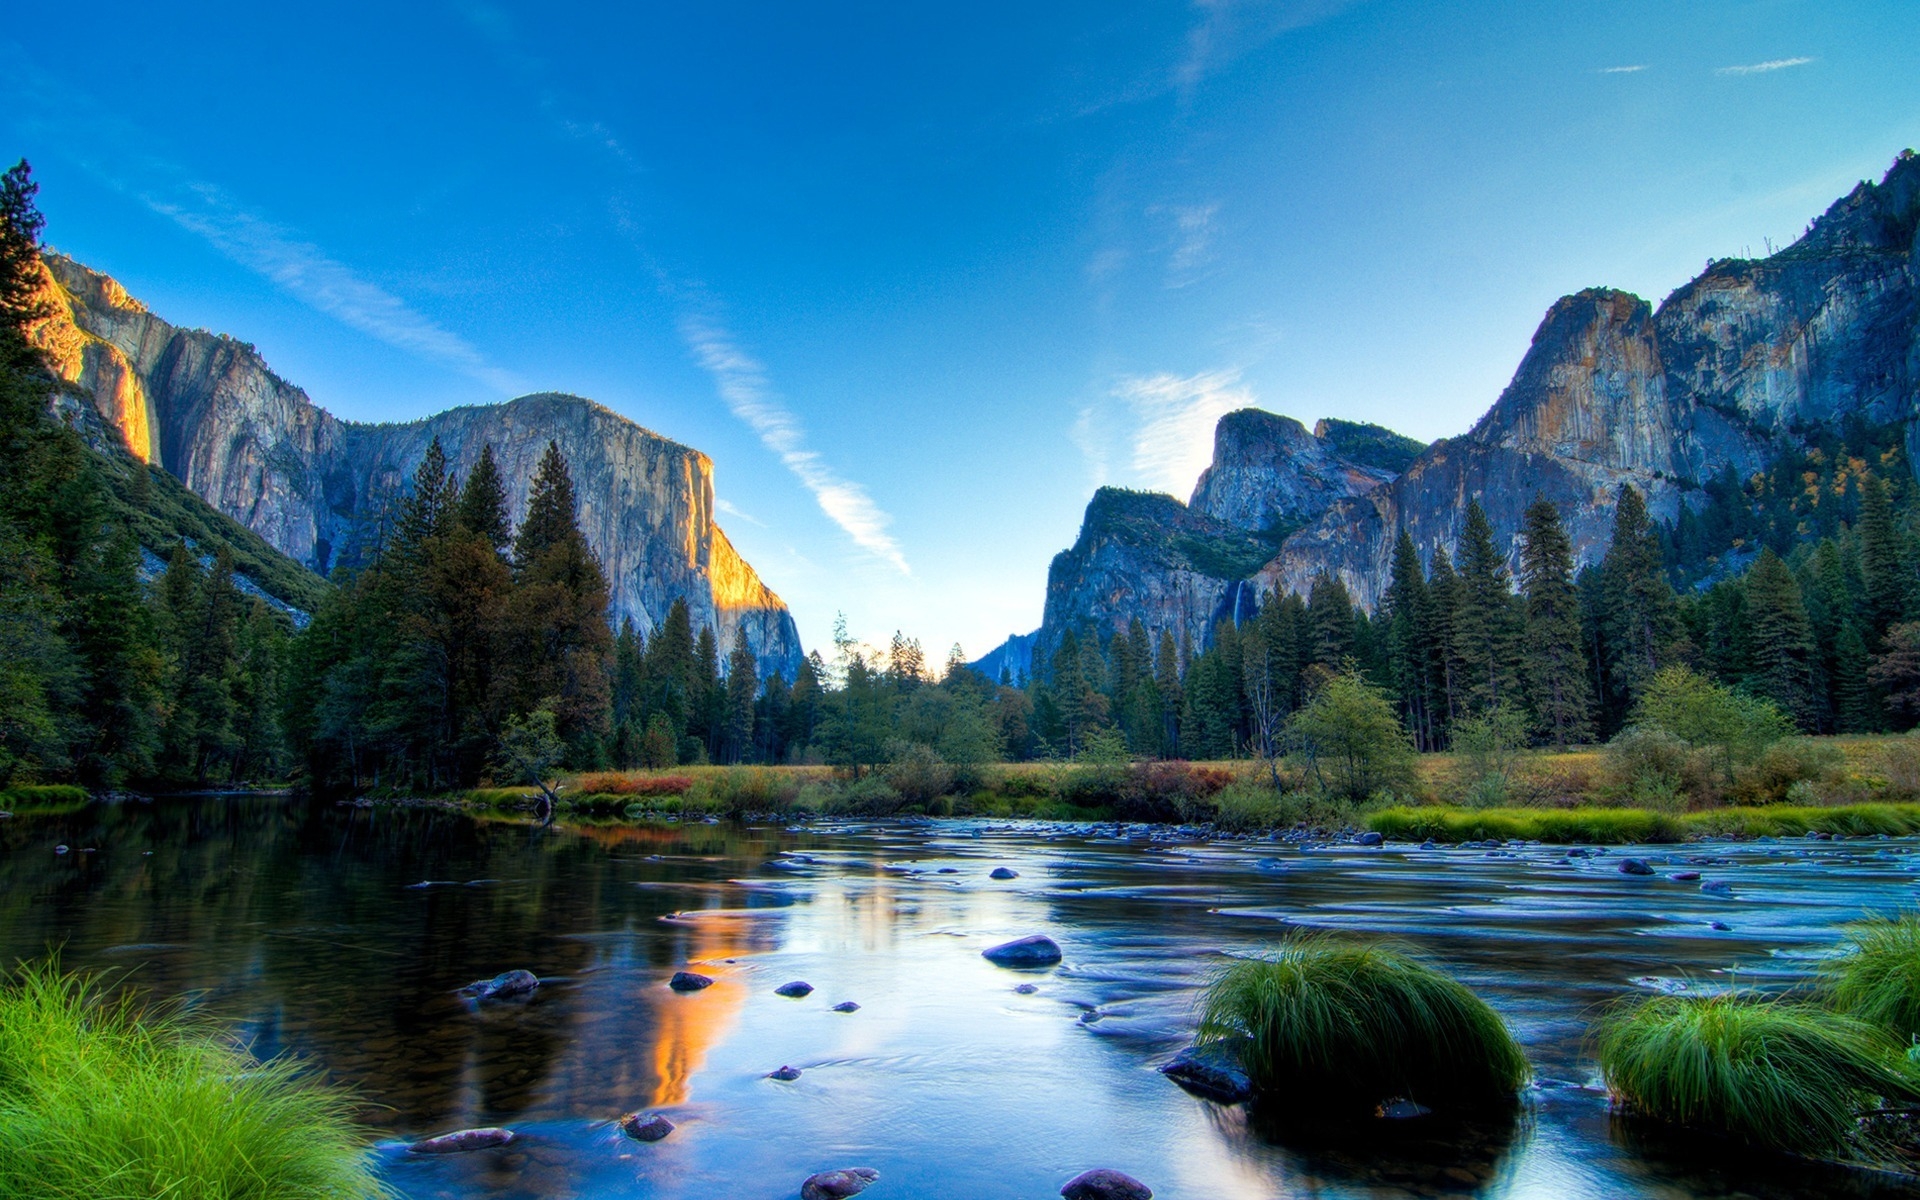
(732, 511)
(1191, 248)
(743, 384)
(1224, 30)
(1173, 420)
(1761, 68)
(1634, 69)
(306, 272)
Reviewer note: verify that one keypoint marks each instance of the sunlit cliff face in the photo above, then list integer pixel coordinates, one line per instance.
(96, 365)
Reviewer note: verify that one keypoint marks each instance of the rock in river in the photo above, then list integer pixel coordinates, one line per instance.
(837, 1185)
(1003, 873)
(645, 1127)
(785, 1074)
(503, 986)
(1104, 1184)
(1635, 866)
(1212, 1071)
(461, 1141)
(1718, 887)
(846, 1006)
(1371, 838)
(688, 981)
(1034, 950)
(794, 990)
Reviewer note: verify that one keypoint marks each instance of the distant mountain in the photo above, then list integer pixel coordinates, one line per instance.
(1746, 361)
(1013, 657)
(207, 408)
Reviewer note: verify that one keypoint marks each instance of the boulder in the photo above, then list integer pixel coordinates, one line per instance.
(1371, 838)
(503, 986)
(688, 981)
(1718, 887)
(794, 990)
(785, 1074)
(1684, 876)
(1213, 1071)
(846, 1006)
(837, 1185)
(1104, 1184)
(645, 1127)
(463, 1140)
(1027, 989)
(1635, 866)
(1003, 873)
(1034, 950)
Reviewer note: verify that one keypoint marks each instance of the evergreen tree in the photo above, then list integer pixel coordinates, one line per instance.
(1166, 683)
(1555, 659)
(551, 510)
(1639, 619)
(1330, 616)
(1886, 581)
(482, 507)
(1782, 642)
(743, 678)
(1487, 624)
(1404, 609)
(427, 513)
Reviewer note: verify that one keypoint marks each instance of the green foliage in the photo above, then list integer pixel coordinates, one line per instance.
(1349, 740)
(1339, 1026)
(1370, 445)
(1653, 767)
(1735, 726)
(43, 797)
(1488, 746)
(101, 1100)
(1877, 979)
(1769, 1073)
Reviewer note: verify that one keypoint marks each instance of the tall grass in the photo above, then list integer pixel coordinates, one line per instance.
(1336, 1025)
(1878, 979)
(101, 1100)
(1770, 1073)
(1599, 825)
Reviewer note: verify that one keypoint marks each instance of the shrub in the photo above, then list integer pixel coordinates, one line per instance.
(1250, 805)
(1488, 748)
(919, 775)
(1878, 978)
(1734, 726)
(1652, 766)
(1776, 770)
(1770, 1073)
(868, 797)
(1337, 1025)
(1169, 791)
(1350, 740)
(1900, 762)
(100, 1100)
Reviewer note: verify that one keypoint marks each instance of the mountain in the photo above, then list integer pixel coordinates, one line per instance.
(1182, 567)
(1013, 656)
(1742, 363)
(208, 409)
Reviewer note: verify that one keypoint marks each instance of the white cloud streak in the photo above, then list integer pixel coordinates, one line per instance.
(1636, 68)
(1192, 249)
(305, 271)
(743, 384)
(1174, 416)
(1228, 29)
(1761, 68)
(734, 511)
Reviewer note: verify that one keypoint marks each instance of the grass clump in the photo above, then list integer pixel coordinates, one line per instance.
(1770, 1073)
(102, 1100)
(1878, 978)
(1610, 826)
(1335, 1025)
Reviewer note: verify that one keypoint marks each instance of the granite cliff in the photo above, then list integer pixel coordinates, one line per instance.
(207, 409)
(1731, 368)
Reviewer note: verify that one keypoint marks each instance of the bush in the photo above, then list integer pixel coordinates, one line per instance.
(1651, 766)
(1169, 791)
(100, 1100)
(1900, 762)
(1769, 778)
(1337, 1026)
(868, 797)
(1878, 978)
(739, 790)
(1250, 805)
(1770, 1073)
(1350, 740)
(916, 773)
(1488, 748)
(1733, 726)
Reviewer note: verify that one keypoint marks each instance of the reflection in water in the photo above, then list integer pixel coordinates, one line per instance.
(343, 935)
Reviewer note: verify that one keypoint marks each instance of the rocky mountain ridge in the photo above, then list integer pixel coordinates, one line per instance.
(1730, 368)
(208, 409)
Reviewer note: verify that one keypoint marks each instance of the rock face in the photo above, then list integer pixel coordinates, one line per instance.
(208, 409)
(1745, 358)
(1730, 368)
(1184, 567)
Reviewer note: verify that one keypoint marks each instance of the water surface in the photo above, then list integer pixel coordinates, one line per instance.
(343, 935)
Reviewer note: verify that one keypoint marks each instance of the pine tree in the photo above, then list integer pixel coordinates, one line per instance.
(1166, 682)
(1640, 621)
(482, 507)
(1782, 642)
(1330, 616)
(551, 509)
(1445, 596)
(1886, 582)
(1556, 666)
(1855, 710)
(427, 512)
(743, 678)
(1404, 610)
(1487, 623)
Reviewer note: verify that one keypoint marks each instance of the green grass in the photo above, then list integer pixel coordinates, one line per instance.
(44, 798)
(1338, 1025)
(1618, 826)
(1878, 978)
(100, 1100)
(1612, 826)
(1771, 1073)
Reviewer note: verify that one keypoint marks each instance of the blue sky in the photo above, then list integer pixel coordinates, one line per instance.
(919, 277)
